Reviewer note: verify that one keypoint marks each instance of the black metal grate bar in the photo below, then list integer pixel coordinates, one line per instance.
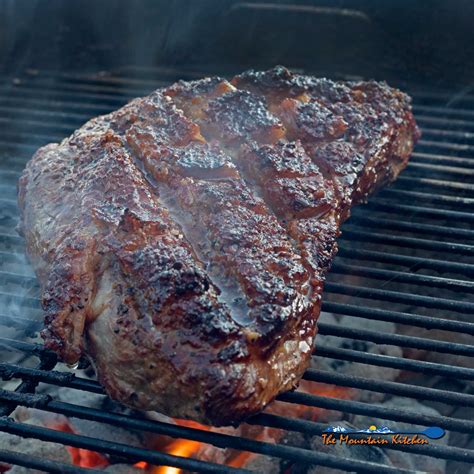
(391, 275)
(400, 297)
(414, 263)
(452, 146)
(445, 112)
(451, 185)
(381, 360)
(380, 222)
(410, 242)
(393, 388)
(396, 339)
(421, 211)
(426, 322)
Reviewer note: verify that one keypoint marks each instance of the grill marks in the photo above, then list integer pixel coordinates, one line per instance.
(129, 229)
(336, 148)
(157, 263)
(280, 171)
(302, 197)
(310, 121)
(291, 184)
(356, 133)
(154, 137)
(244, 249)
(240, 116)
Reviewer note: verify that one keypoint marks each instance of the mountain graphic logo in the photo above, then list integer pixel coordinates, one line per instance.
(432, 432)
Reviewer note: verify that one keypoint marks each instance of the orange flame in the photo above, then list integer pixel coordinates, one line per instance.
(189, 448)
(180, 447)
(184, 448)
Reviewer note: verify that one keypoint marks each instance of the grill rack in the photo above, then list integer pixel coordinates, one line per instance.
(39, 108)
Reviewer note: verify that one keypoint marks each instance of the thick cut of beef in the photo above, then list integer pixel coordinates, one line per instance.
(182, 241)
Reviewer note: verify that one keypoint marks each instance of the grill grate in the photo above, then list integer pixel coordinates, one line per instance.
(412, 247)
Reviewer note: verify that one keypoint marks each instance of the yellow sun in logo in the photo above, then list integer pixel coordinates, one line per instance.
(372, 428)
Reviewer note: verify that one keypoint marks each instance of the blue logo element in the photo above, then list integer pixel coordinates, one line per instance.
(432, 432)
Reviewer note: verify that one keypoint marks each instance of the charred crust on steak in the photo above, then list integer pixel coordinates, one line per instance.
(240, 115)
(182, 241)
(205, 162)
(311, 120)
(282, 83)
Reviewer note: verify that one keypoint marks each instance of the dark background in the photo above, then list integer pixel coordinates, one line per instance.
(423, 41)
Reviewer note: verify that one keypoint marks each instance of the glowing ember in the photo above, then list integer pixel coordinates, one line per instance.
(234, 458)
(81, 457)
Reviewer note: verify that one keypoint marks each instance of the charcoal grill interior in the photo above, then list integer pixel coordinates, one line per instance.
(407, 257)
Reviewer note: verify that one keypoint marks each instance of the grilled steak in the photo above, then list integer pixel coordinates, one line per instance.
(182, 241)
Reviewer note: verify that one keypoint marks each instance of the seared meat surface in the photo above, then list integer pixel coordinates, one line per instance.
(182, 241)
